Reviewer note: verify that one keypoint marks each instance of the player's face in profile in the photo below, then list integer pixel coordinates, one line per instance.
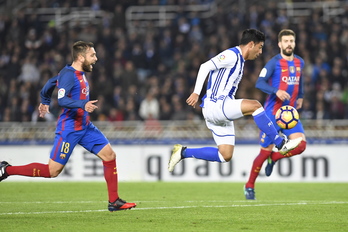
(256, 51)
(287, 45)
(90, 60)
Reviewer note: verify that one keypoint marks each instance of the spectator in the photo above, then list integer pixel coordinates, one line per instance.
(149, 107)
(156, 55)
(29, 73)
(32, 42)
(129, 76)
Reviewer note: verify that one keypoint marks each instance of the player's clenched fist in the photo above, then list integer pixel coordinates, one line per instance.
(90, 107)
(43, 109)
(192, 100)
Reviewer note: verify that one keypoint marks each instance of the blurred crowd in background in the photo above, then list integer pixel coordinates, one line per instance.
(148, 74)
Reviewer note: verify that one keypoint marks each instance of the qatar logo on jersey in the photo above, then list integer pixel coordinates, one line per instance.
(85, 91)
(291, 80)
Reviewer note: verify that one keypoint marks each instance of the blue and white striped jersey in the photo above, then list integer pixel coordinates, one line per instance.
(225, 73)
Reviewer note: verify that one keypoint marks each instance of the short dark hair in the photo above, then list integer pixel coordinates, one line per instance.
(252, 35)
(80, 47)
(285, 32)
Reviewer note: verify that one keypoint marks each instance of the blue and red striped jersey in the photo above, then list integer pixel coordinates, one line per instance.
(73, 94)
(282, 74)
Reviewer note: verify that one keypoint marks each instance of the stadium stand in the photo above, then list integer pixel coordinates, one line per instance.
(155, 48)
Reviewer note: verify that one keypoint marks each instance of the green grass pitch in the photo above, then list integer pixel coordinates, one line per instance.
(165, 206)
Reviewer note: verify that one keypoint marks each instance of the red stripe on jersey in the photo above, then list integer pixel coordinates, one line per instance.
(294, 95)
(283, 83)
(64, 120)
(56, 151)
(79, 114)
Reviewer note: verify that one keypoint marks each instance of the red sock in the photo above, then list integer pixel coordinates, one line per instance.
(110, 174)
(255, 169)
(298, 150)
(33, 170)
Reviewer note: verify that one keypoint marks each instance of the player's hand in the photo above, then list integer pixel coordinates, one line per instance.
(283, 95)
(192, 100)
(43, 109)
(90, 107)
(299, 103)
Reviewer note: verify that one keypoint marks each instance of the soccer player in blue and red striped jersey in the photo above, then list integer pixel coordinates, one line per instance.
(220, 108)
(281, 79)
(74, 126)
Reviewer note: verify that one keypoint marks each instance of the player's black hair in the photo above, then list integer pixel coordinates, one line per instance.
(80, 47)
(285, 32)
(252, 35)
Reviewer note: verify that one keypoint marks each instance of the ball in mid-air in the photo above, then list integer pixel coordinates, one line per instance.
(287, 117)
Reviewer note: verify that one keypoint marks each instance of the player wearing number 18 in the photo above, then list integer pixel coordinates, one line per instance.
(281, 78)
(74, 126)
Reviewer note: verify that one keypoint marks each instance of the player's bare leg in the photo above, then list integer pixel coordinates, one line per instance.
(55, 168)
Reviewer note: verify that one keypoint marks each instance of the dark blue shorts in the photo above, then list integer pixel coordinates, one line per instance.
(92, 139)
(265, 141)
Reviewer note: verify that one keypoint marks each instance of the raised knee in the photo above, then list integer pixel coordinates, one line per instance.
(256, 104)
(110, 156)
(225, 152)
(227, 156)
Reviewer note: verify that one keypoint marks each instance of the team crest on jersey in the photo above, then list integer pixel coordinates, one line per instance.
(298, 69)
(292, 69)
(62, 156)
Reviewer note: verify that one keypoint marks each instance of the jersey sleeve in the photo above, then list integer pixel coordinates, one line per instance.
(265, 74)
(65, 84)
(225, 59)
(47, 90)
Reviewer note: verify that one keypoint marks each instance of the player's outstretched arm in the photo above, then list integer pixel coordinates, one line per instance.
(192, 100)
(47, 90)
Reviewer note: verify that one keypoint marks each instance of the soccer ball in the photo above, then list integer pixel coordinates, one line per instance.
(287, 117)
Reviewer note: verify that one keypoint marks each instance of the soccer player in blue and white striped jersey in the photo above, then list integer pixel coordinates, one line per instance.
(220, 108)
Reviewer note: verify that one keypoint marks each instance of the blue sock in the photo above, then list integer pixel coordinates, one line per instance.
(266, 125)
(204, 153)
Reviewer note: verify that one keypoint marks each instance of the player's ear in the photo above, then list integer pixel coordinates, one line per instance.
(81, 58)
(252, 45)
